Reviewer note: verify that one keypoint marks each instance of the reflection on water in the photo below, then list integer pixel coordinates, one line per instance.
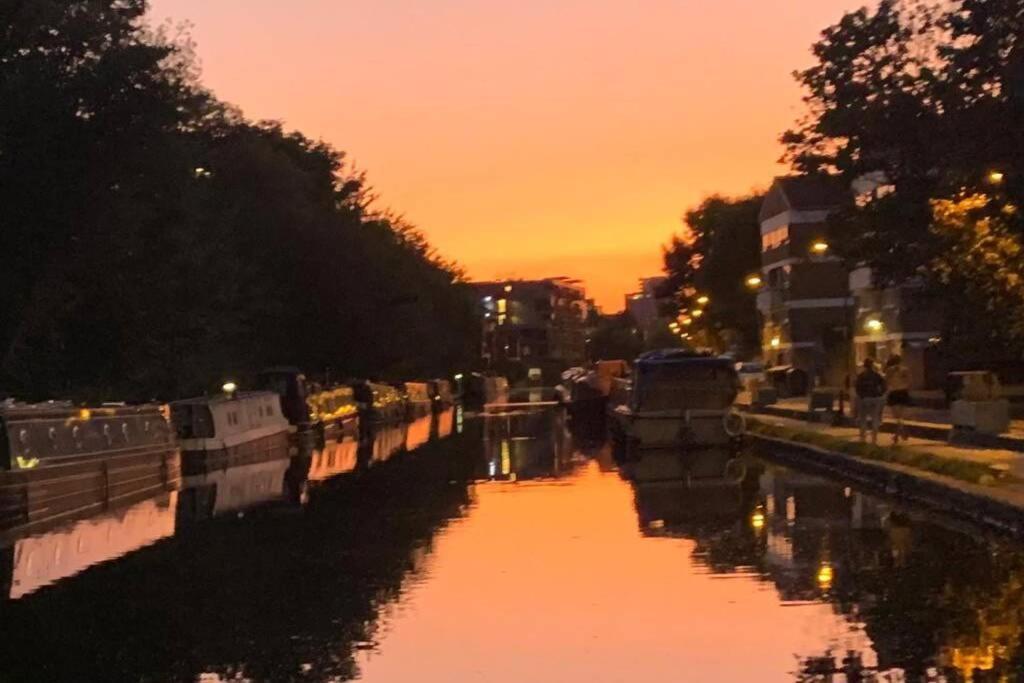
(506, 553)
(526, 445)
(42, 559)
(233, 489)
(418, 432)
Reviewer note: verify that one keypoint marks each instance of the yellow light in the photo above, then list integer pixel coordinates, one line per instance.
(508, 288)
(754, 281)
(687, 320)
(673, 325)
(84, 414)
(757, 520)
(502, 305)
(874, 325)
(825, 575)
(698, 313)
(775, 342)
(458, 376)
(819, 246)
(703, 300)
(996, 177)
(229, 387)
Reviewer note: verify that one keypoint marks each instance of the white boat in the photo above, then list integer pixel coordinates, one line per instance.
(677, 399)
(229, 430)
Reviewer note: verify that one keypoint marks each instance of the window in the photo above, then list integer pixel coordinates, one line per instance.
(775, 238)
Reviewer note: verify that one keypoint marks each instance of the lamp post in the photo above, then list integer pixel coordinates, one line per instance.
(820, 247)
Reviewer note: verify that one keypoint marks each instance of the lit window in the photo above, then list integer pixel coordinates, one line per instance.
(502, 306)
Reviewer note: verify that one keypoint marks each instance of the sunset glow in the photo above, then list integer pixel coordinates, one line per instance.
(498, 126)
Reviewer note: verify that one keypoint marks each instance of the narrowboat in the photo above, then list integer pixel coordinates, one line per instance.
(584, 393)
(379, 404)
(678, 398)
(59, 461)
(441, 394)
(481, 390)
(326, 414)
(230, 430)
(418, 402)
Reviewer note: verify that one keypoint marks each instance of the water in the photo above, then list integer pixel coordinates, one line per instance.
(503, 550)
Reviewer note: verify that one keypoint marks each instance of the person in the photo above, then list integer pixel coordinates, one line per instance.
(897, 380)
(870, 388)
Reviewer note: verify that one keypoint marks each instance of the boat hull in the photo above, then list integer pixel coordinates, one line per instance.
(689, 428)
(197, 461)
(33, 498)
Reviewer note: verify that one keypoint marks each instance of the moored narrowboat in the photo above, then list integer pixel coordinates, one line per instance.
(230, 430)
(326, 414)
(441, 394)
(379, 404)
(418, 403)
(679, 399)
(59, 461)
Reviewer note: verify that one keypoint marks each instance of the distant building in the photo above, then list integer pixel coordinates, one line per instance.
(645, 305)
(812, 308)
(533, 323)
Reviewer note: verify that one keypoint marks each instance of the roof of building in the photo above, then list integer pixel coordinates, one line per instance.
(803, 193)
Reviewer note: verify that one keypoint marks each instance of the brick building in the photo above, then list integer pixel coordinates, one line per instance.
(533, 323)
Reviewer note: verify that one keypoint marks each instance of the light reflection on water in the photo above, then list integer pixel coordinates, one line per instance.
(511, 552)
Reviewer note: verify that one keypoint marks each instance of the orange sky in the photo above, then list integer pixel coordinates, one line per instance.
(526, 137)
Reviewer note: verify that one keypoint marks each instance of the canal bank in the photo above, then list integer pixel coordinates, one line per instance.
(982, 485)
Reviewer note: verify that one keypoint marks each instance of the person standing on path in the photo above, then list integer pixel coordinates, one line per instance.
(897, 380)
(870, 388)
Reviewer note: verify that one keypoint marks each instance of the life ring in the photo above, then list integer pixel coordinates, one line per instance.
(734, 424)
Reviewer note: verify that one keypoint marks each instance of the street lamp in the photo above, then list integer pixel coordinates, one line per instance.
(996, 177)
(703, 300)
(819, 247)
(874, 325)
(754, 281)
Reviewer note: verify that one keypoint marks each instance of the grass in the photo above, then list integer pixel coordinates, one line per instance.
(964, 470)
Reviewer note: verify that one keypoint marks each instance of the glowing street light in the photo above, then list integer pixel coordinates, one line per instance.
(703, 300)
(229, 388)
(996, 177)
(698, 313)
(775, 343)
(825, 575)
(757, 519)
(819, 247)
(874, 325)
(754, 281)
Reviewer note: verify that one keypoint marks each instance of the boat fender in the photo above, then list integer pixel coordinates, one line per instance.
(734, 423)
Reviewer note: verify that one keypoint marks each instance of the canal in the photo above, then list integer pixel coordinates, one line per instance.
(502, 549)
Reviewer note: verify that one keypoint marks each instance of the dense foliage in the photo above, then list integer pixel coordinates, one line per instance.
(713, 257)
(153, 241)
(924, 105)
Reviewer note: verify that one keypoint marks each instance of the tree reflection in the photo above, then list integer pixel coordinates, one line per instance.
(283, 594)
(925, 598)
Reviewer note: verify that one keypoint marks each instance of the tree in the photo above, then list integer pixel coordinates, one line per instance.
(913, 104)
(718, 251)
(155, 242)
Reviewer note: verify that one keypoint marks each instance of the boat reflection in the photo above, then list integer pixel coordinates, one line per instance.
(234, 489)
(526, 445)
(444, 423)
(418, 432)
(383, 442)
(39, 560)
(334, 459)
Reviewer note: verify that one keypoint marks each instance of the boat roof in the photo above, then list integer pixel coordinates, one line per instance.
(223, 398)
(681, 357)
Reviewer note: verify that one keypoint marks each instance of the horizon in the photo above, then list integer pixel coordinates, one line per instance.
(543, 110)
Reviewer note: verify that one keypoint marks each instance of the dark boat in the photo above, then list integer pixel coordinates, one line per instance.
(323, 414)
(58, 461)
(379, 404)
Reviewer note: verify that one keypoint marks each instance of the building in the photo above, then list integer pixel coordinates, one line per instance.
(645, 305)
(812, 307)
(533, 324)
(805, 303)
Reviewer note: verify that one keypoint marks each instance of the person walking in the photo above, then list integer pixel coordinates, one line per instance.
(870, 388)
(897, 380)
